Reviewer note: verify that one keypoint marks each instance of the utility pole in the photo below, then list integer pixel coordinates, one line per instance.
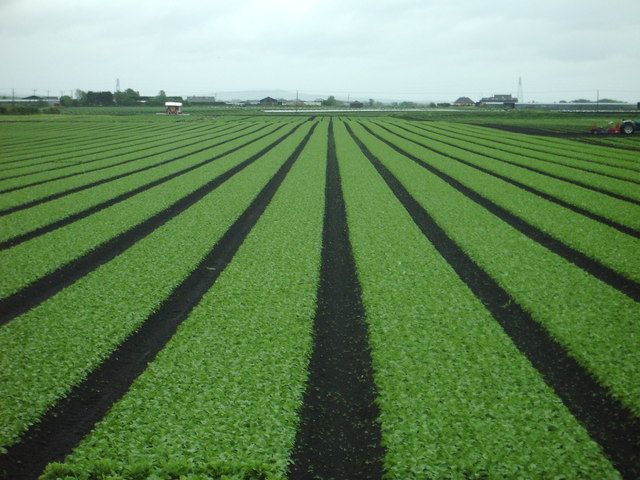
(520, 95)
(297, 97)
(597, 100)
(13, 97)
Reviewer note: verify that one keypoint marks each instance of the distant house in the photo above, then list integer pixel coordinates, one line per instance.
(498, 98)
(464, 102)
(356, 104)
(269, 101)
(49, 100)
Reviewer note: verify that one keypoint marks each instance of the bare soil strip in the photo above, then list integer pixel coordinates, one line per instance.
(585, 137)
(588, 264)
(62, 164)
(102, 181)
(541, 172)
(593, 216)
(116, 164)
(608, 422)
(73, 142)
(68, 422)
(17, 240)
(339, 435)
(441, 133)
(48, 285)
(78, 153)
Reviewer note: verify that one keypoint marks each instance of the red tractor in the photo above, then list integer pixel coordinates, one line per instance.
(626, 127)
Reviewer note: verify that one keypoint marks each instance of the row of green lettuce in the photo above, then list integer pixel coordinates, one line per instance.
(569, 146)
(98, 141)
(599, 241)
(92, 136)
(457, 399)
(19, 138)
(520, 148)
(46, 168)
(596, 323)
(47, 350)
(517, 158)
(31, 260)
(27, 188)
(555, 145)
(221, 399)
(114, 180)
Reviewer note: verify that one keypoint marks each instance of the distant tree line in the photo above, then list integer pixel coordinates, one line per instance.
(126, 98)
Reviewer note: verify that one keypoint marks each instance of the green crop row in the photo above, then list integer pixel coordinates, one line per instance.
(457, 399)
(596, 323)
(603, 205)
(28, 261)
(200, 148)
(54, 346)
(76, 162)
(557, 145)
(29, 138)
(598, 241)
(621, 187)
(100, 142)
(450, 133)
(221, 399)
(45, 213)
(83, 174)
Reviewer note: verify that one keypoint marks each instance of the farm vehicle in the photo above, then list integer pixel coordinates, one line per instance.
(626, 127)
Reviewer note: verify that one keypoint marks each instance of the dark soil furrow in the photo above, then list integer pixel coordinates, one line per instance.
(441, 133)
(586, 263)
(69, 421)
(53, 141)
(79, 152)
(124, 162)
(557, 149)
(578, 183)
(339, 435)
(79, 188)
(574, 208)
(607, 421)
(59, 165)
(50, 284)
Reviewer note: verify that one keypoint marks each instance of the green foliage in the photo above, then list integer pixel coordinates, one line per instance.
(221, 399)
(35, 259)
(78, 327)
(596, 323)
(457, 399)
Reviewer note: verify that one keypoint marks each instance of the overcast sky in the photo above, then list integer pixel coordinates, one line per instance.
(413, 49)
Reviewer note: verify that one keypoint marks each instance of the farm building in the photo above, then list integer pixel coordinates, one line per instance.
(269, 101)
(499, 98)
(463, 102)
(173, 108)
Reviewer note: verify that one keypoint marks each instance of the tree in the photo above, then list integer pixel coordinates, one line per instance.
(81, 97)
(127, 98)
(99, 99)
(372, 102)
(158, 99)
(330, 102)
(67, 101)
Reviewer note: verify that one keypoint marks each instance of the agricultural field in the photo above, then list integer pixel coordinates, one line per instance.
(316, 297)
